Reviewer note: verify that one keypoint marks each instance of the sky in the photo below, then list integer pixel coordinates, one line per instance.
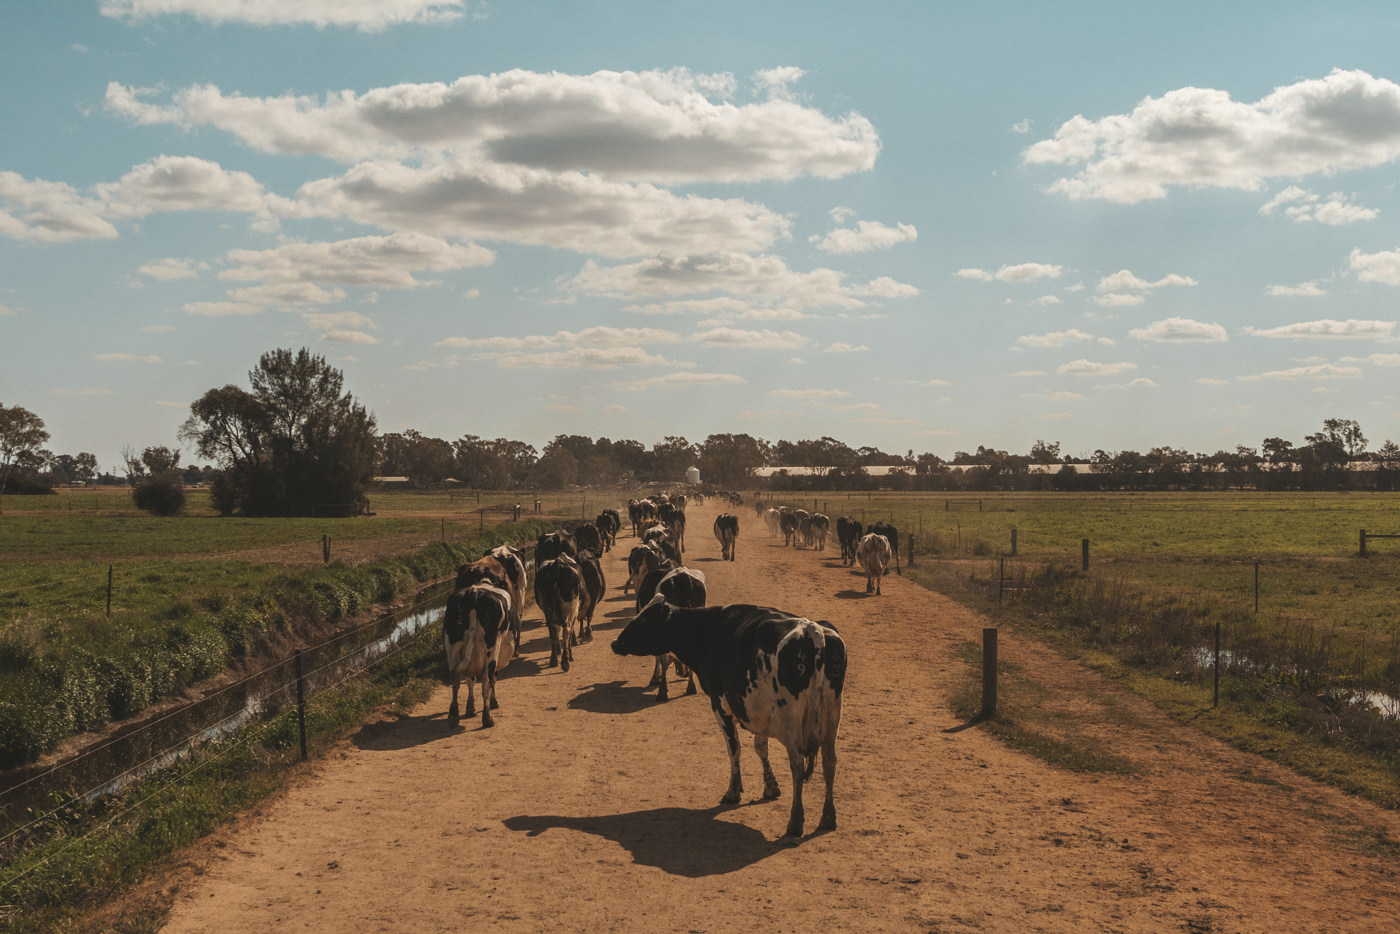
(917, 226)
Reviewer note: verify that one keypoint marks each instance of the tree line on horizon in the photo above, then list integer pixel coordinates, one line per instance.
(298, 443)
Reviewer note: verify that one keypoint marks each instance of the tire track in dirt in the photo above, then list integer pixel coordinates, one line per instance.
(589, 806)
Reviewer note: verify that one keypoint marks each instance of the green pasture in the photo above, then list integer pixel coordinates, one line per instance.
(1196, 545)
(55, 551)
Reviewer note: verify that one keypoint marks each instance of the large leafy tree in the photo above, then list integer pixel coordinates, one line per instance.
(423, 460)
(21, 435)
(729, 460)
(297, 444)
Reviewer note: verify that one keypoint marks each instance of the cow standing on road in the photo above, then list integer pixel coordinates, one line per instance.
(679, 587)
(848, 532)
(559, 591)
(777, 675)
(873, 553)
(727, 531)
(476, 635)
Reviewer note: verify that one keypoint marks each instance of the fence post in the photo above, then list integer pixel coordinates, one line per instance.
(1363, 543)
(989, 674)
(301, 704)
(1256, 587)
(1001, 578)
(1084, 553)
(109, 591)
(326, 549)
(1013, 541)
(911, 551)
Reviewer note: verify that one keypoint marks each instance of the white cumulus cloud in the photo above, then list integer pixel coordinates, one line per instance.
(1202, 138)
(1327, 328)
(1180, 331)
(865, 236)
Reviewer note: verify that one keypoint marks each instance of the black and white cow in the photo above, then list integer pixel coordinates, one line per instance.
(552, 545)
(892, 536)
(848, 532)
(680, 587)
(873, 553)
(639, 510)
(727, 531)
(477, 637)
(820, 527)
(560, 592)
(512, 559)
(609, 523)
(643, 560)
(587, 537)
(787, 522)
(777, 675)
(595, 585)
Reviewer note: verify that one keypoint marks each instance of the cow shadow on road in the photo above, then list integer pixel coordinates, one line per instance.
(679, 841)
(852, 595)
(405, 731)
(613, 697)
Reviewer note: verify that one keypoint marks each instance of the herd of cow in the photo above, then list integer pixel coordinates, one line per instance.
(777, 675)
(871, 548)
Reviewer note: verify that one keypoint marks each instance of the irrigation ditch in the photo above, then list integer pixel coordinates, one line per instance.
(139, 748)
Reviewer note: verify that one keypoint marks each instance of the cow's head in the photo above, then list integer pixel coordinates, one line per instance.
(649, 631)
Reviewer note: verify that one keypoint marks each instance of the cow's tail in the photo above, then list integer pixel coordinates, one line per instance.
(827, 686)
(812, 714)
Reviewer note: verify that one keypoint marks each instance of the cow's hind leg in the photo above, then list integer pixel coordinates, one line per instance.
(731, 741)
(662, 663)
(796, 816)
(828, 821)
(471, 699)
(770, 781)
(488, 694)
(453, 718)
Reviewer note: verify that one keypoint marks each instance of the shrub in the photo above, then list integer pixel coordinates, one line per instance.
(163, 495)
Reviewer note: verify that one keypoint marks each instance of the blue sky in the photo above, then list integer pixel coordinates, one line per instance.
(925, 226)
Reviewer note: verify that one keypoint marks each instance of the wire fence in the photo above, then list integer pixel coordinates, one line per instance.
(258, 698)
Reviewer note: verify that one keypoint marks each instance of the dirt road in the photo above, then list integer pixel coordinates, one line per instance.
(591, 807)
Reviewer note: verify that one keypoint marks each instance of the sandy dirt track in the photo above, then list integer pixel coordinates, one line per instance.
(591, 807)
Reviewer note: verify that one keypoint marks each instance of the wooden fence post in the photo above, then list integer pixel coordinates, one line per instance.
(1013, 541)
(109, 591)
(1363, 543)
(989, 674)
(325, 549)
(1084, 553)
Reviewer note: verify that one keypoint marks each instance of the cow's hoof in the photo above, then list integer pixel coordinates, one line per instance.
(828, 821)
(487, 721)
(495, 705)
(564, 664)
(730, 797)
(793, 832)
(662, 695)
(690, 689)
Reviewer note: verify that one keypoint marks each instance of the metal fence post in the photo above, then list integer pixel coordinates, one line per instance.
(301, 704)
